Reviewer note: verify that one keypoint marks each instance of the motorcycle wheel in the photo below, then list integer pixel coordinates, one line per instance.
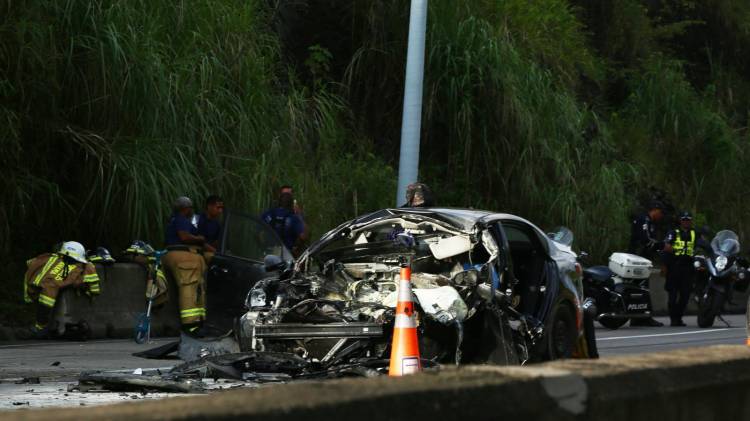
(613, 322)
(708, 309)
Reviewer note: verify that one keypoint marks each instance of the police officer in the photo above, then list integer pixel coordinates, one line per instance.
(185, 264)
(643, 243)
(679, 250)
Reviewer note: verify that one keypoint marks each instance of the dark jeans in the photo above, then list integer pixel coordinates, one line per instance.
(679, 285)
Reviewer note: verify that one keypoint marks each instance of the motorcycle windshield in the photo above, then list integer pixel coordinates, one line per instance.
(726, 243)
(562, 235)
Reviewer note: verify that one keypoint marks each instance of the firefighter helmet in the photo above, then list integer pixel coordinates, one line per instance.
(140, 248)
(74, 250)
(100, 255)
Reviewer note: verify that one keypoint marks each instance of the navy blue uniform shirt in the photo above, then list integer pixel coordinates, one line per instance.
(176, 224)
(209, 228)
(286, 223)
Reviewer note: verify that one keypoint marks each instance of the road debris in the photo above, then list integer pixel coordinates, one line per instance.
(120, 382)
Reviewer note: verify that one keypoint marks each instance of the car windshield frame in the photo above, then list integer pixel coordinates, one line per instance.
(266, 230)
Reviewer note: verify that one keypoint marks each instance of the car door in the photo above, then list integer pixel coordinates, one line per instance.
(532, 268)
(238, 265)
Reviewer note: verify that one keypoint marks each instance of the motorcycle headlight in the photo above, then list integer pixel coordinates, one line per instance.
(741, 275)
(697, 264)
(721, 263)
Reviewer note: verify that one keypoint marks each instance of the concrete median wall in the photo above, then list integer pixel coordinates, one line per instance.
(692, 384)
(113, 314)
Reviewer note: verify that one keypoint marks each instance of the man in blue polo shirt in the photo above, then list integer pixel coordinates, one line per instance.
(209, 225)
(286, 223)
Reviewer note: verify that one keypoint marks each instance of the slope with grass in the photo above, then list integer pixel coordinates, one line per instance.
(568, 112)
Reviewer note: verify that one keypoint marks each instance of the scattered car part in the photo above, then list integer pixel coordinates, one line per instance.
(120, 382)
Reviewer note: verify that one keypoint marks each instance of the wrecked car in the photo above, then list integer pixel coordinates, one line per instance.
(488, 288)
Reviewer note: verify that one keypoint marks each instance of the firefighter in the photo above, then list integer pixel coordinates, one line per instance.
(184, 262)
(47, 274)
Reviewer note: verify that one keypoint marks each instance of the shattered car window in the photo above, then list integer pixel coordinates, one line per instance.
(249, 238)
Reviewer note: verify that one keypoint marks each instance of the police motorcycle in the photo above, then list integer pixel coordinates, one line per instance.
(619, 289)
(725, 272)
(617, 292)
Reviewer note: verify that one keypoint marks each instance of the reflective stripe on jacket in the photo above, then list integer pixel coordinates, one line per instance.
(683, 248)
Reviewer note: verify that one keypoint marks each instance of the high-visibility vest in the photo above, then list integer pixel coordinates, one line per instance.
(683, 248)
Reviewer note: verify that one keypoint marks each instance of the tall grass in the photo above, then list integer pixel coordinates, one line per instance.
(111, 109)
(566, 112)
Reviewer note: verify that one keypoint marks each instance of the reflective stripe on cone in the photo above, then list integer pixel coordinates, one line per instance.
(405, 357)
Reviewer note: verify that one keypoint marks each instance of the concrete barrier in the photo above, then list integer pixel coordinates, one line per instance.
(113, 314)
(710, 383)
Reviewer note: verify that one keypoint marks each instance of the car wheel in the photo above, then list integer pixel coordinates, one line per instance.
(561, 333)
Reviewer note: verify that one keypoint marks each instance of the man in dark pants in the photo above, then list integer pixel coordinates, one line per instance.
(679, 251)
(643, 243)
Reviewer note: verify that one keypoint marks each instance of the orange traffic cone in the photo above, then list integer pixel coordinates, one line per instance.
(405, 346)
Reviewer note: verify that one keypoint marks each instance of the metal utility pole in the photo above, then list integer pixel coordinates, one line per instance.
(411, 120)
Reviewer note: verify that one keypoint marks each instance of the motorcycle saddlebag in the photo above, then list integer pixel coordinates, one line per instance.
(636, 299)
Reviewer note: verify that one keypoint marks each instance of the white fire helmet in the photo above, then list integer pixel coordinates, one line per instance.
(74, 250)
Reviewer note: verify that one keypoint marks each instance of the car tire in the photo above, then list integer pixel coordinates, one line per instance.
(561, 335)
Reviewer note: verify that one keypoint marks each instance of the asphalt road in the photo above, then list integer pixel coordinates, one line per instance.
(637, 340)
(64, 360)
(58, 363)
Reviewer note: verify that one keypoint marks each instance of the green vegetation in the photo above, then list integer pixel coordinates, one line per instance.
(564, 111)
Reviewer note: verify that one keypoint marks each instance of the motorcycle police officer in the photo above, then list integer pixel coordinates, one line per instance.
(679, 251)
(643, 243)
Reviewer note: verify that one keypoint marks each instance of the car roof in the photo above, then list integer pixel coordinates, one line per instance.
(460, 217)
